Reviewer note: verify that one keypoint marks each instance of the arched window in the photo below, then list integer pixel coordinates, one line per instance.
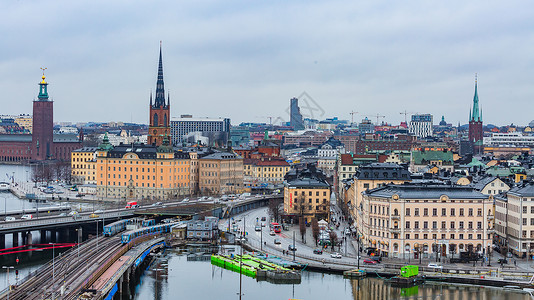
(155, 123)
(395, 212)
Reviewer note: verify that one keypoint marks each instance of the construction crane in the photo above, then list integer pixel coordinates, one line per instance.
(270, 119)
(352, 113)
(377, 116)
(406, 113)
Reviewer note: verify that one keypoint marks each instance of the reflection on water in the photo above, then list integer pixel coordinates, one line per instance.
(174, 277)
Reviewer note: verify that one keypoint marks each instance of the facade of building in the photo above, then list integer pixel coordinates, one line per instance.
(25, 121)
(295, 117)
(220, 173)
(141, 171)
(264, 171)
(42, 144)
(369, 177)
(160, 111)
(83, 165)
(514, 220)
(421, 160)
(327, 155)
(366, 126)
(509, 139)
(357, 145)
(422, 125)
(217, 131)
(411, 220)
(206, 229)
(307, 197)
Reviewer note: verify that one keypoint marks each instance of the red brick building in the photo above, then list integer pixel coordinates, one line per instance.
(42, 144)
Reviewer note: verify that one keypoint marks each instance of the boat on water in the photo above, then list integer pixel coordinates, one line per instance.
(4, 186)
(409, 276)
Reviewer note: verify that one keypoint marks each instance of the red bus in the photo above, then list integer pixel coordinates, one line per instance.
(277, 228)
(132, 204)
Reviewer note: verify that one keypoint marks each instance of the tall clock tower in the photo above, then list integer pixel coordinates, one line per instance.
(159, 126)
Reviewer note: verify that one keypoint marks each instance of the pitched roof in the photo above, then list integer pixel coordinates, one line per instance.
(424, 157)
(430, 192)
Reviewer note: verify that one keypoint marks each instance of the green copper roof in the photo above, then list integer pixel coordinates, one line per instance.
(105, 146)
(165, 147)
(476, 162)
(425, 157)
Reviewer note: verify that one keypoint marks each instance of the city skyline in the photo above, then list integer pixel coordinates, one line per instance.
(370, 58)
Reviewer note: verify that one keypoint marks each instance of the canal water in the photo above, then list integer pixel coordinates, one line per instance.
(174, 277)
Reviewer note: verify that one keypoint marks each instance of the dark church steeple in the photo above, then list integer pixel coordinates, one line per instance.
(159, 126)
(160, 86)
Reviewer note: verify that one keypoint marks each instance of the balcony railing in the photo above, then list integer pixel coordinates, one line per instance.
(395, 230)
(395, 217)
(491, 217)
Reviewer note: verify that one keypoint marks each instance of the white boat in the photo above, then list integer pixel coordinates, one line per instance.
(4, 186)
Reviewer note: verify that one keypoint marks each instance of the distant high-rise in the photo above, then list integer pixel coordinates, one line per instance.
(421, 125)
(295, 120)
(160, 111)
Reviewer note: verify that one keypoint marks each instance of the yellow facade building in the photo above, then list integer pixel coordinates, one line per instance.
(308, 198)
(258, 172)
(142, 172)
(83, 165)
(220, 173)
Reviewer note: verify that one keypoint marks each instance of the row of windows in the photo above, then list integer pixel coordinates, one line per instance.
(461, 212)
(309, 193)
(452, 236)
(444, 225)
(118, 183)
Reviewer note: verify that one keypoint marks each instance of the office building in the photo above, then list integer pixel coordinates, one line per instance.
(421, 125)
(187, 129)
(296, 121)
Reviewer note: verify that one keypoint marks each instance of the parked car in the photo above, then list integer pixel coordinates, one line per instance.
(263, 219)
(272, 233)
(291, 248)
(257, 228)
(369, 261)
(9, 219)
(335, 255)
(435, 266)
(317, 251)
(27, 217)
(277, 241)
(378, 259)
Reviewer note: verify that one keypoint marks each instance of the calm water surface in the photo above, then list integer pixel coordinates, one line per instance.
(178, 278)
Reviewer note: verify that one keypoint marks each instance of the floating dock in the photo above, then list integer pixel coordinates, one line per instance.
(256, 268)
(356, 273)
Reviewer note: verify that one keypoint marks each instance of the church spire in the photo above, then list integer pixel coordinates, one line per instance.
(160, 89)
(476, 112)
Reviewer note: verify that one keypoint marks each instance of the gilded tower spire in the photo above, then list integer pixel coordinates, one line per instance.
(43, 88)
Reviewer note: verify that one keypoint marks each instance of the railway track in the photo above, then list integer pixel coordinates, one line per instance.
(70, 271)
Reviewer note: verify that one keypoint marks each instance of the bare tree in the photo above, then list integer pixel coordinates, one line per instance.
(315, 230)
(274, 209)
(37, 174)
(333, 239)
(48, 175)
(302, 227)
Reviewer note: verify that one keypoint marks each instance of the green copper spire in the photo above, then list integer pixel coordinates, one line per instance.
(476, 116)
(43, 88)
(106, 145)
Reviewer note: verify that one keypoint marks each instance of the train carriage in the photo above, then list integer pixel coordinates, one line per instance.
(116, 227)
(130, 235)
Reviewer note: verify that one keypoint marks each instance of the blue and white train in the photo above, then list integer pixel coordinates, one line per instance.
(148, 222)
(132, 234)
(116, 227)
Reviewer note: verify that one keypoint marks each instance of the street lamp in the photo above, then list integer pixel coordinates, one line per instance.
(8, 286)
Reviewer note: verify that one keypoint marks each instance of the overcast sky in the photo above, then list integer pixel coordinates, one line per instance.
(246, 59)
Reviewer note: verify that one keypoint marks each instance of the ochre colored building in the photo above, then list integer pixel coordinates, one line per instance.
(142, 171)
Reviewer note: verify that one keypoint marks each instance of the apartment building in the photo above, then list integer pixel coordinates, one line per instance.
(412, 220)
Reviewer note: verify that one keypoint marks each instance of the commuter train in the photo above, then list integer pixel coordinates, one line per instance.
(116, 227)
(132, 234)
(148, 222)
(120, 225)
